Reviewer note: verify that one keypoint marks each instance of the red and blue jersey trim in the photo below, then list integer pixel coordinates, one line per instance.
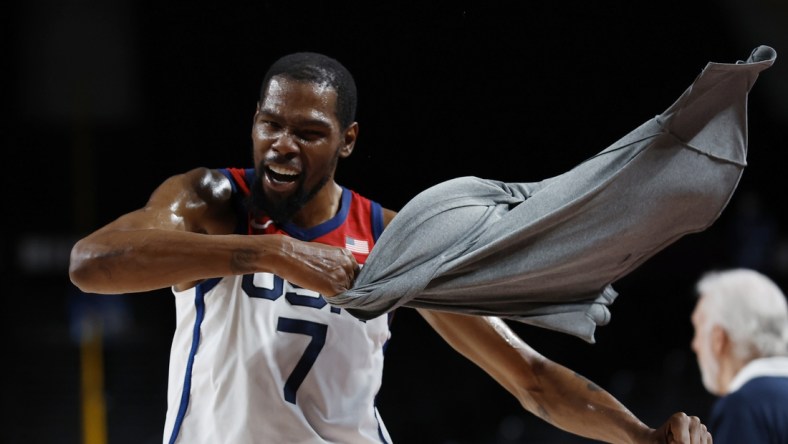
(357, 225)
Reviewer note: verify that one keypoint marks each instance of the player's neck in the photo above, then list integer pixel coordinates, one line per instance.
(322, 207)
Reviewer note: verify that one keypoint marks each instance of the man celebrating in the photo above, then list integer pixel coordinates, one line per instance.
(258, 355)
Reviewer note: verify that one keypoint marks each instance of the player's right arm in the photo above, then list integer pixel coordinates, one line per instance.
(183, 235)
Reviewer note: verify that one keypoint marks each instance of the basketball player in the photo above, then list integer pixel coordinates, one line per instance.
(258, 355)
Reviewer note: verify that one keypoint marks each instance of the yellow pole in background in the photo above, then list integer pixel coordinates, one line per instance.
(94, 429)
(94, 412)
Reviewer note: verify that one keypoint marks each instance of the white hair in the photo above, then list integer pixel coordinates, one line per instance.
(750, 308)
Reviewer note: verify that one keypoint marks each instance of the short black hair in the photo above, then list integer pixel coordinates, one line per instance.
(318, 68)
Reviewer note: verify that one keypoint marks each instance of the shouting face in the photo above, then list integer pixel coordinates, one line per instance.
(297, 140)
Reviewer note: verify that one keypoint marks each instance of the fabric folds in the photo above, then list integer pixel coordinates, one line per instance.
(546, 253)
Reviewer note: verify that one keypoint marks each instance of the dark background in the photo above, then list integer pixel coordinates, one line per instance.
(105, 99)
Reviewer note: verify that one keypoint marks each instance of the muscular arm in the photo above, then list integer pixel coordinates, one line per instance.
(553, 392)
(182, 235)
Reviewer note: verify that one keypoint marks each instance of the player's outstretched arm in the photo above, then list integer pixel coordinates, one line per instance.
(183, 235)
(551, 391)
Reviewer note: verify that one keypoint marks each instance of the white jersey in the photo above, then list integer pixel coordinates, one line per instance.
(256, 359)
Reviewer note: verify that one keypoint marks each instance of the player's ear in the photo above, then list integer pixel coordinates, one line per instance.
(349, 140)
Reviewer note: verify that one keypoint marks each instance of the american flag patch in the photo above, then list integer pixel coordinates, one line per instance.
(356, 246)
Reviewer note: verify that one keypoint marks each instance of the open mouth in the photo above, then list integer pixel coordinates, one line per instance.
(280, 174)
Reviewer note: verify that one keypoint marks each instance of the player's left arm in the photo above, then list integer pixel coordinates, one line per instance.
(551, 391)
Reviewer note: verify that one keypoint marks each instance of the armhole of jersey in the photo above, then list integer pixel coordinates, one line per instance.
(376, 214)
(228, 173)
(237, 178)
(240, 189)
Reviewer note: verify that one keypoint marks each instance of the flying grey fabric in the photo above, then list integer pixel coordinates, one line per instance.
(546, 253)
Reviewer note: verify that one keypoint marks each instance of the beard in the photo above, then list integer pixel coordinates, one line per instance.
(279, 210)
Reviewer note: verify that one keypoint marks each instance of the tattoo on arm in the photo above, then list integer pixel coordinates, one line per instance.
(242, 261)
(590, 385)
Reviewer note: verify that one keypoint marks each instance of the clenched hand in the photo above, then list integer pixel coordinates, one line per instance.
(682, 429)
(325, 269)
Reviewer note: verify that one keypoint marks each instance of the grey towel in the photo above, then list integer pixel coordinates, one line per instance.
(546, 253)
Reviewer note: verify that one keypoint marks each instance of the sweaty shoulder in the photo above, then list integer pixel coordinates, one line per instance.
(209, 184)
(202, 198)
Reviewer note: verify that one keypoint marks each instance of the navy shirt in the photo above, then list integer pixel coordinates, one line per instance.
(757, 413)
